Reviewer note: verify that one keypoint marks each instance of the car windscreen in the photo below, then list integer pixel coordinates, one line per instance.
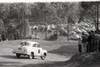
(24, 44)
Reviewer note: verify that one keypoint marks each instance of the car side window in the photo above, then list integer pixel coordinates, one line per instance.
(34, 45)
(38, 45)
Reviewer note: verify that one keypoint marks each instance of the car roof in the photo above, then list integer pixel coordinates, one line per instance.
(31, 42)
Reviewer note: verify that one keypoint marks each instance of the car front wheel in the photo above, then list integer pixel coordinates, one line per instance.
(31, 56)
(17, 55)
(44, 56)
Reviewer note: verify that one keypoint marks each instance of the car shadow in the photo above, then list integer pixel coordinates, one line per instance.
(14, 57)
(9, 56)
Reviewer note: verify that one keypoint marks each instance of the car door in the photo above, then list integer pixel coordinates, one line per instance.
(35, 49)
(39, 49)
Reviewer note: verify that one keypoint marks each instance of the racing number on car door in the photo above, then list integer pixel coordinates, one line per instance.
(39, 51)
(35, 49)
(38, 46)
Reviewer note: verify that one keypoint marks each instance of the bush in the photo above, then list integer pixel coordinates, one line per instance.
(63, 32)
(53, 37)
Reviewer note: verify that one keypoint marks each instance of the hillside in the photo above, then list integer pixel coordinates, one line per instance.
(85, 60)
(78, 60)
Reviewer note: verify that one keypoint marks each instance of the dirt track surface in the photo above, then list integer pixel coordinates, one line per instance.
(8, 59)
(6, 55)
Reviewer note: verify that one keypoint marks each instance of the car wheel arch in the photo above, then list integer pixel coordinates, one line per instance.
(32, 53)
(31, 56)
(45, 54)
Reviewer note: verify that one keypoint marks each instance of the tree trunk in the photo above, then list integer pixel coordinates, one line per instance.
(97, 26)
(69, 21)
(68, 32)
(45, 32)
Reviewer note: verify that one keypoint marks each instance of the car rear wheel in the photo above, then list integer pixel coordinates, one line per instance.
(17, 55)
(44, 56)
(31, 56)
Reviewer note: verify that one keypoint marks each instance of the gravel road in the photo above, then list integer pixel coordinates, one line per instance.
(8, 59)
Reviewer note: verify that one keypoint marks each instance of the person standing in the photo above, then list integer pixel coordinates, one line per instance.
(96, 42)
(93, 41)
(84, 42)
(80, 45)
(90, 41)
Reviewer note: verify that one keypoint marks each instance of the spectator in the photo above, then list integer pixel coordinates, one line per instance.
(90, 41)
(93, 40)
(3, 37)
(79, 45)
(84, 42)
(96, 40)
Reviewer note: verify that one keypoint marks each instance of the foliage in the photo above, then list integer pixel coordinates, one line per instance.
(91, 12)
(53, 37)
(46, 13)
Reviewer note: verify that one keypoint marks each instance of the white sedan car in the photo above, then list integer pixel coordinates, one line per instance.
(31, 49)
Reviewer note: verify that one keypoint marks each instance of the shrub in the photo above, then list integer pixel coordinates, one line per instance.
(53, 37)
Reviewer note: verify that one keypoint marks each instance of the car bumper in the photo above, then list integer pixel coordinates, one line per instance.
(21, 52)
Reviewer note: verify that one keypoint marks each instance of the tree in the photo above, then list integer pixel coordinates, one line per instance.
(41, 13)
(4, 12)
(22, 12)
(15, 13)
(1, 26)
(91, 12)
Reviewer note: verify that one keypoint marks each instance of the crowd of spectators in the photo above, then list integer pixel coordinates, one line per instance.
(89, 42)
